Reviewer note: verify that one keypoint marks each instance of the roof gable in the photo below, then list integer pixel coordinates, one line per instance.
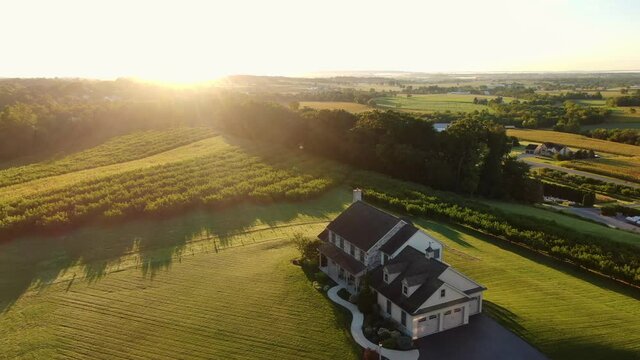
(363, 225)
(399, 238)
(417, 270)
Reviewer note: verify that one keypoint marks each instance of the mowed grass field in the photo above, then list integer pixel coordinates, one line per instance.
(564, 313)
(586, 227)
(433, 103)
(220, 285)
(203, 285)
(335, 105)
(575, 140)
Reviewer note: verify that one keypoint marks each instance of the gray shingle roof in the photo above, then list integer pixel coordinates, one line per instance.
(398, 239)
(362, 224)
(343, 259)
(417, 267)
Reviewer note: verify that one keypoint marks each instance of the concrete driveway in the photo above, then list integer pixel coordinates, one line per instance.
(481, 339)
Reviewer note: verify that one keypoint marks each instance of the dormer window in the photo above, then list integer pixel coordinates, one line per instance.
(405, 290)
(386, 277)
(341, 243)
(443, 293)
(352, 250)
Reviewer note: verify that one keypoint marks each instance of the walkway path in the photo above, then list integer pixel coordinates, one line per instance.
(356, 329)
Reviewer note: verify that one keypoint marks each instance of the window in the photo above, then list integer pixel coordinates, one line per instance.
(386, 277)
(443, 292)
(405, 289)
(422, 319)
(332, 237)
(457, 310)
(341, 242)
(448, 312)
(403, 318)
(352, 250)
(389, 307)
(433, 317)
(361, 255)
(437, 253)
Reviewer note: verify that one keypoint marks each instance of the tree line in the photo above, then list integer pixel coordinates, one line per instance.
(471, 157)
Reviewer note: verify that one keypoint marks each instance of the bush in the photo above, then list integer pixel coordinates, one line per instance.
(321, 277)
(370, 354)
(366, 300)
(307, 247)
(390, 343)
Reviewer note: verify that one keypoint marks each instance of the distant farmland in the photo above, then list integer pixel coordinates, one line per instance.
(575, 141)
(433, 103)
(335, 105)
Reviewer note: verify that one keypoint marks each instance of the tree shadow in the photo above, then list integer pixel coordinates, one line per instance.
(595, 279)
(505, 317)
(150, 245)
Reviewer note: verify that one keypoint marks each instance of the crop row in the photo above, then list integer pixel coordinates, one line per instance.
(620, 261)
(228, 176)
(121, 149)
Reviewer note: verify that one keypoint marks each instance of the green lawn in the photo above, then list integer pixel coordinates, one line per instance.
(198, 286)
(583, 226)
(433, 103)
(220, 284)
(565, 313)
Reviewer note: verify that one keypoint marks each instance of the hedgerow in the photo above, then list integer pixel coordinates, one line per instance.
(620, 261)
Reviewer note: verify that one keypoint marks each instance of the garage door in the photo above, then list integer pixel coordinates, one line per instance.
(427, 325)
(453, 318)
(474, 305)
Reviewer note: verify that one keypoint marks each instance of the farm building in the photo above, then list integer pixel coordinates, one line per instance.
(413, 285)
(551, 149)
(530, 149)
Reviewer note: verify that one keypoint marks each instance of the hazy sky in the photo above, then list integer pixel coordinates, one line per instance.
(199, 40)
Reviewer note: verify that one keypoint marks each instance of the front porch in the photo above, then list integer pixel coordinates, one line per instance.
(340, 275)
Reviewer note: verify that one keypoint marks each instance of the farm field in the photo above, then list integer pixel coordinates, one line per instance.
(335, 105)
(199, 285)
(225, 175)
(586, 227)
(575, 141)
(190, 285)
(117, 150)
(433, 103)
(626, 168)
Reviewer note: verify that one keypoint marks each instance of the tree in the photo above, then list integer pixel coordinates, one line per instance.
(307, 247)
(294, 105)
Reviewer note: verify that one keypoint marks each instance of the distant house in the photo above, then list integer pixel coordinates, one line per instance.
(530, 149)
(413, 285)
(509, 127)
(551, 149)
(440, 127)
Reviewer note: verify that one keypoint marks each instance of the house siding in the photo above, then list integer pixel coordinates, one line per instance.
(420, 241)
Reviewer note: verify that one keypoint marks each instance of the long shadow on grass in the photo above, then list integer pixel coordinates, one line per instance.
(571, 270)
(150, 245)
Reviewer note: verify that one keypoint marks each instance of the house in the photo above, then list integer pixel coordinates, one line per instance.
(413, 285)
(440, 127)
(530, 149)
(551, 149)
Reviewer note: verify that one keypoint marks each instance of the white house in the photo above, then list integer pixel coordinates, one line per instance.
(550, 149)
(413, 285)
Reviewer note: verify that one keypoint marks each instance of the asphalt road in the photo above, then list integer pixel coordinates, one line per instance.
(594, 214)
(535, 164)
(482, 339)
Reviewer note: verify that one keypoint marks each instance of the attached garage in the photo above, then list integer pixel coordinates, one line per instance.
(474, 305)
(453, 318)
(427, 325)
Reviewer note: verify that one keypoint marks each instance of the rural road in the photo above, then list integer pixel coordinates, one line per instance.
(594, 214)
(535, 164)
